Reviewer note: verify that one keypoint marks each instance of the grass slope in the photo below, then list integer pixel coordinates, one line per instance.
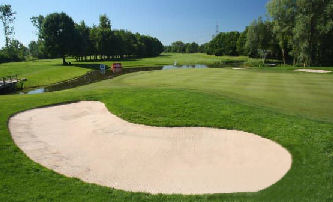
(186, 98)
(41, 72)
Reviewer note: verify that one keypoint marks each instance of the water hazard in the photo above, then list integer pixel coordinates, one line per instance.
(99, 75)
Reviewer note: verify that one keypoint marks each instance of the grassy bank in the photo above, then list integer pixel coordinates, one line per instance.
(41, 72)
(286, 107)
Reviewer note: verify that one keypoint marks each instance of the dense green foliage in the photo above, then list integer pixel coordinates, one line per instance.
(58, 33)
(181, 47)
(59, 36)
(210, 97)
(82, 41)
(260, 41)
(299, 32)
(224, 43)
(304, 29)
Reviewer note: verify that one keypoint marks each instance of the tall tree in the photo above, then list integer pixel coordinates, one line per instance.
(241, 49)
(283, 15)
(104, 22)
(58, 33)
(82, 42)
(7, 16)
(224, 43)
(37, 21)
(260, 39)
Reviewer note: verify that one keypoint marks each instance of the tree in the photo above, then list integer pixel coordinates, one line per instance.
(104, 22)
(191, 47)
(240, 46)
(224, 43)
(260, 39)
(33, 49)
(178, 47)
(103, 36)
(82, 41)
(37, 21)
(7, 16)
(37, 49)
(304, 30)
(58, 33)
(17, 51)
(283, 15)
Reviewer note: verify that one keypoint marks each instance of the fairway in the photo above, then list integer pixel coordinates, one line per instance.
(259, 102)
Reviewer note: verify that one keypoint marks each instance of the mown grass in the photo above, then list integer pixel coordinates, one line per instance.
(304, 94)
(49, 71)
(220, 98)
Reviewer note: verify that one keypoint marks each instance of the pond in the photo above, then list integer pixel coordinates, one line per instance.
(97, 75)
(197, 66)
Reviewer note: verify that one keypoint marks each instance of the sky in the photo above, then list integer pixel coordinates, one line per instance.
(168, 20)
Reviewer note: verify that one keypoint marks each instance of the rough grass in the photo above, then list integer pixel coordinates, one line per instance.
(212, 98)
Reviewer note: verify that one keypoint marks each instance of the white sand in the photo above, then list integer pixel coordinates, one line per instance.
(238, 68)
(84, 140)
(313, 71)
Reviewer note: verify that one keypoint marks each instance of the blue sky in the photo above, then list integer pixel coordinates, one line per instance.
(168, 20)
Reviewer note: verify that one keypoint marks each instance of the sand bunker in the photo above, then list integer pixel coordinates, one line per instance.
(238, 68)
(313, 71)
(86, 141)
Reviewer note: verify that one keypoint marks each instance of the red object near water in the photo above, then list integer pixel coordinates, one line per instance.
(117, 67)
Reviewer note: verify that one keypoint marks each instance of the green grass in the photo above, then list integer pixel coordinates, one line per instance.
(41, 72)
(269, 104)
(304, 94)
(50, 71)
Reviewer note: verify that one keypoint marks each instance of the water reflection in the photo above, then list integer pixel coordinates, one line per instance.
(197, 66)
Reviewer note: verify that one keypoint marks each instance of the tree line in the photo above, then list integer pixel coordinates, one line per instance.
(181, 47)
(298, 32)
(60, 36)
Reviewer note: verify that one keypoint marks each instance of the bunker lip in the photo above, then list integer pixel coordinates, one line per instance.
(84, 140)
